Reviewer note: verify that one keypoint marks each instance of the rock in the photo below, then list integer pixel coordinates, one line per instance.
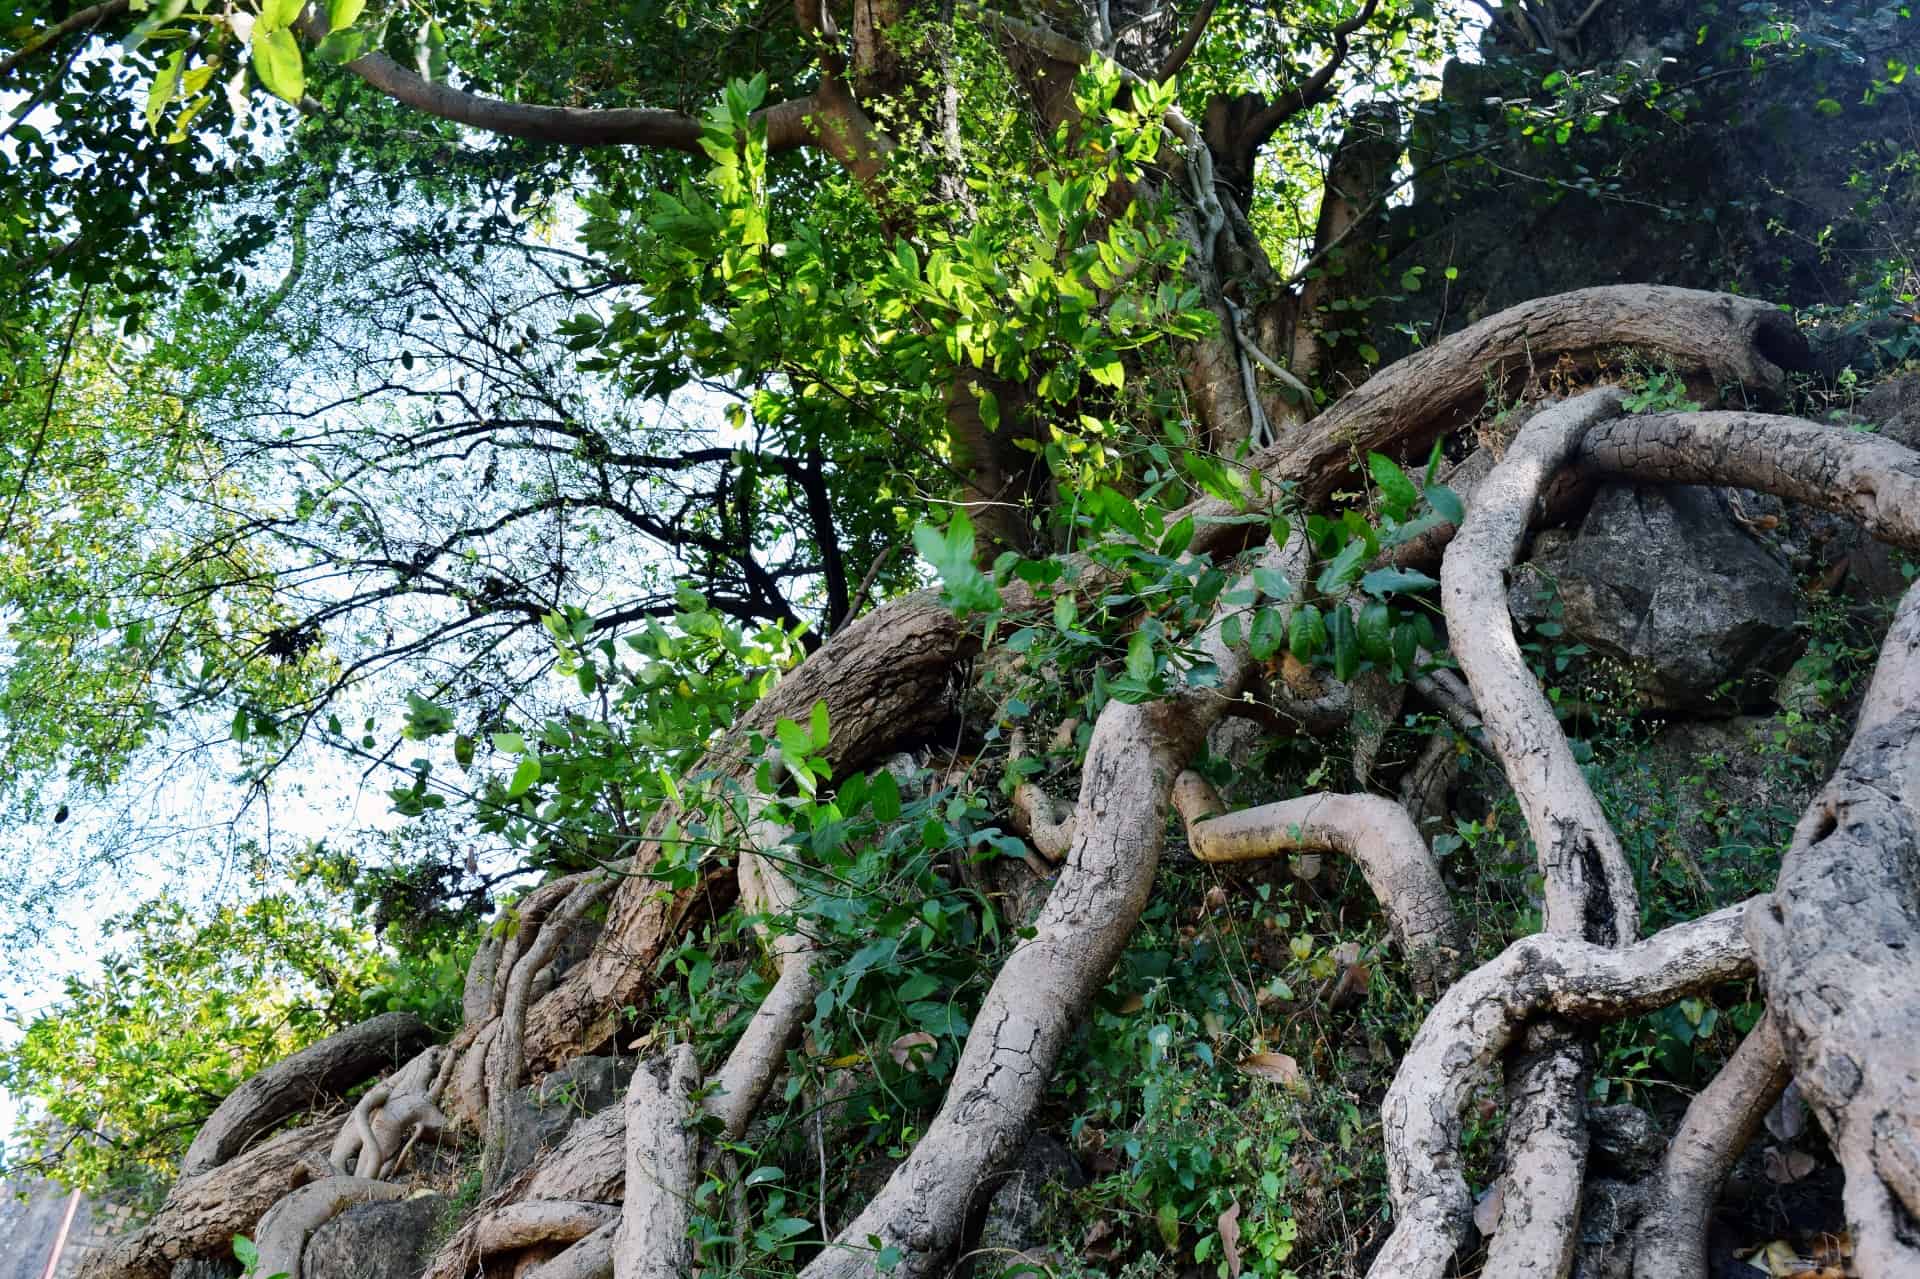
(1626, 1142)
(1015, 1231)
(1668, 582)
(541, 1114)
(1609, 1212)
(374, 1241)
(1894, 409)
(206, 1268)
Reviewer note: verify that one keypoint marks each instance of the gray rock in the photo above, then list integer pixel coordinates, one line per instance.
(1015, 1232)
(206, 1268)
(1894, 408)
(374, 1241)
(1626, 1142)
(1668, 582)
(1609, 1211)
(541, 1114)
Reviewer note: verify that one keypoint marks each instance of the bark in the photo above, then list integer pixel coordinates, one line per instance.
(590, 1258)
(1408, 404)
(885, 679)
(202, 1214)
(309, 1078)
(389, 1116)
(1040, 992)
(1546, 1151)
(1589, 885)
(282, 1233)
(534, 1222)
(662, 1163)
(1870, 477)
(1477, 1020)
(1838, 944)
(1375, 832)
(1722, 1121)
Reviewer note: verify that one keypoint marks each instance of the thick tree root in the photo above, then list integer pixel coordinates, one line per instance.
(1838, 944)
(662, 1163)
(1671, 1242)
(1479, 1019)
(590, 1258)
(390, 1117)
(1035, 1001)
(326, 1069)
(1048, 825)
(1589, 885)
(282, 1233)
(1375, 832)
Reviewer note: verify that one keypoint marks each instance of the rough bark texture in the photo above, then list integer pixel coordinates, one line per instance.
(1589, 886)
(1375, 832)
(1546, 1153)
(1870, 477)
(1038, 995)
(1671, 1242)
(1838, 944)
(662, 1163)
(886, 678)
(309, 1078)
(282, 1233)
(202, 1214)
(1478, 1020)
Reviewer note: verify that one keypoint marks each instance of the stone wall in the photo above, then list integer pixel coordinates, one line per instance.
(30, 1217)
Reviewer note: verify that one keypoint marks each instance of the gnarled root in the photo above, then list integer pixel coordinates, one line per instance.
(282, 1233)
(590, 1258)
(289, 1086)
(389, 1117)
(1047, 825)
(1375, 832)
(1671, 1242)
(1479, 1019)
(662, 1163)
(1030, 1010)
(1838, 944)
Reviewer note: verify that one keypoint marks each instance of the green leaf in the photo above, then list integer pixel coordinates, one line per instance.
(1345, 639)
(1178, 538)
(245, 1252)
(342, 14)
(1447, 504)
(463, 750)
(966, 588)
(1166, 1219)
(510, 743)
(1105, 368)
(795, 742)
(1386, 581)
(817, 724)
(166, 82)
(1272, 583)
(1397, 493)
(1307, 634)
(884, 795)
(525, 774)
(1375, 631)
(1140, 657)
(763, 1175)
(1343, 568)
(276, 60)
(278, 15)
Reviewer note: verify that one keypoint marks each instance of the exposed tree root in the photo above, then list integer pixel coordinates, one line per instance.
(1375, 832)
(1589, 886)
(1048, 825)
(662, 1163)
(389, 1117)
(202, 1214)
(534, 1222)
(282, 1233)
(507, 1060)
(1479, 1019)
(1671, 1242)
(1838, 943)
(326, 1069)
(1038, 995)
(590, 1258)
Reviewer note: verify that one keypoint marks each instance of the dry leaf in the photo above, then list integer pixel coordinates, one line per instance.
(1229, 1224)
(1100, 1242)
(1486, 1212)
(1784, 1167)
(911, 1049)
(1216, 898)
(1276, 1068)
(1131, 1004)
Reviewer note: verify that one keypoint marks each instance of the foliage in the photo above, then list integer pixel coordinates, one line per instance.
(122, 1070)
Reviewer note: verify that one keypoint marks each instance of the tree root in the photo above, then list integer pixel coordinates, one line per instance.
(389, 1117)
(590, 1258)
(1047, 825)
(282, 1233)
(1035, 1000)
(288, 1087)
(1375, 832)
(662, 1163)
(1479, 1019)
(1671, 1242)
(1589, 885)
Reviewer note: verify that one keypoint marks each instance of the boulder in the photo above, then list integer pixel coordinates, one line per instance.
(540, 1114)
(1015, 1232)
(1893, 408)
(375, 1241)
(1671, 583)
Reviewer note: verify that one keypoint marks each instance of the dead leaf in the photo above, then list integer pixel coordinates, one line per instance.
(1216, 898)
(1099, 1243)
(912, 1049)
(1275, 1068)
(1229, 1225)
(1784, 1167)
(1486, 1212)
(1131, 1004)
